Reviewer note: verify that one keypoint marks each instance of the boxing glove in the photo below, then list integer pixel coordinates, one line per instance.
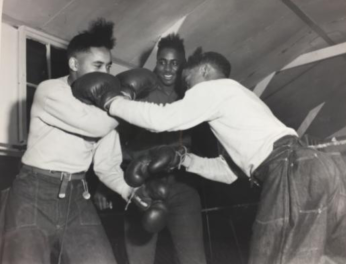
(138, 82)
(153, 189)
(155, 218)
(97, 88)
(166, 158)
(157, 188)
(156, 160)
(141, 196)
(137, 171)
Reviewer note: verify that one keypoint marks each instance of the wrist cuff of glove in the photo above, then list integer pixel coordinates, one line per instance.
(128, 93)
(187, 161)
(109, 102)
(180, 155)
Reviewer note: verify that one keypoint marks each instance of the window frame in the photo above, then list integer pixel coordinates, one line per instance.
(25, 33)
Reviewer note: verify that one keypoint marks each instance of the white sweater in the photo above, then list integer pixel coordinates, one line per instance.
(67, 135)
(241, 122)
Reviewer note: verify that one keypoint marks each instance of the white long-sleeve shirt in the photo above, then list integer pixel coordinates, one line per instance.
(215, 169)
(241, 122)
(65, 136)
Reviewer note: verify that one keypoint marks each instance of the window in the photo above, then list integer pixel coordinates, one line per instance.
(42, 57)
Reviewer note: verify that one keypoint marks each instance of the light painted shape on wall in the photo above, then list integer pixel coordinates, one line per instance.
(151, 61)
(341, 132)
(309, 119)
(317, 55)
(262, 85)
(306, 58)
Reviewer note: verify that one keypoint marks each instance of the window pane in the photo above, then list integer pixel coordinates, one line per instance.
(36, 62)
(30, 91)
(59, 62)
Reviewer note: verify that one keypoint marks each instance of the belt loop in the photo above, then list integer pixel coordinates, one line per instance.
(65, 178)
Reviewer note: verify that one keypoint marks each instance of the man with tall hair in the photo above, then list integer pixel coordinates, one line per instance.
(49, 217)
(302, 210)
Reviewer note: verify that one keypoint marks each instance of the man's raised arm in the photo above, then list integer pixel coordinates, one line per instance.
(199, 104)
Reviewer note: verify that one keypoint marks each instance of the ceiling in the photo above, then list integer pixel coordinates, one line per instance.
(257, 36)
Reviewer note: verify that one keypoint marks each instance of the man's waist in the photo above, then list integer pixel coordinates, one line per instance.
(278, 153)
(54, 173)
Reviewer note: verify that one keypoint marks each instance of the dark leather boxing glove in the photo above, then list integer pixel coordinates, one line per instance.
(138, 82)
(166, 158)
(97, 88)
(155, 218)
(142, 199)
(154, 189)
(156, 160)
(155, 210)
(157, 188)
(137, 171)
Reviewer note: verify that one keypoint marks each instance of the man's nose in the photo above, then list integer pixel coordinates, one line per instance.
(168, 67)
(104, 69)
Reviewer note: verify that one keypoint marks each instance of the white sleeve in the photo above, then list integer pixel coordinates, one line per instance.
(107, 160)
(62, 110)
(215, 169)
(201, 103)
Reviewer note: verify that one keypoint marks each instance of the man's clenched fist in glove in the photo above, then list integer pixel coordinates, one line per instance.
(137, 83)
(100, 89)
(156, 160)
(150, 198)
(97, 88)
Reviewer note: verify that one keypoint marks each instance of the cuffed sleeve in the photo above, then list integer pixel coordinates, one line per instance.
(60, 109)
(107, 160)
(199, 104)
(215, 169)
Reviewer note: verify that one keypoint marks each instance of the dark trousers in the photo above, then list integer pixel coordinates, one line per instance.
(184, 225)
(38, 225)
(302, 211)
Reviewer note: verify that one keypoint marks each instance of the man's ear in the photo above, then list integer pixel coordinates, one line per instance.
(206, 70)
(73, 64)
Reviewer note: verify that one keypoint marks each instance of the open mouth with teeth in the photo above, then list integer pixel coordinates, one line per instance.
(168, 77)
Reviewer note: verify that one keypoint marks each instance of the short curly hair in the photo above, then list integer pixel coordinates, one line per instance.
(218, 61)
(99, 34)
(172, 41)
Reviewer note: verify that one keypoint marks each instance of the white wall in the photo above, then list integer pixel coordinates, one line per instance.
(117, 68)
(9, 85)
(1, 4)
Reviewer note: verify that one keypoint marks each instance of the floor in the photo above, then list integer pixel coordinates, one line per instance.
(227, 226)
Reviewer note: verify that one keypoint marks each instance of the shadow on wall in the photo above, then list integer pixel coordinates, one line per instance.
(10, 159)
(145, 55)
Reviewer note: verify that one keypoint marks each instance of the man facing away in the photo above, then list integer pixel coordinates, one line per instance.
(49, 217)
(302, 211)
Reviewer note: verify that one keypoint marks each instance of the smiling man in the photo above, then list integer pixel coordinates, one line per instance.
(184, 219)
(48, 214)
